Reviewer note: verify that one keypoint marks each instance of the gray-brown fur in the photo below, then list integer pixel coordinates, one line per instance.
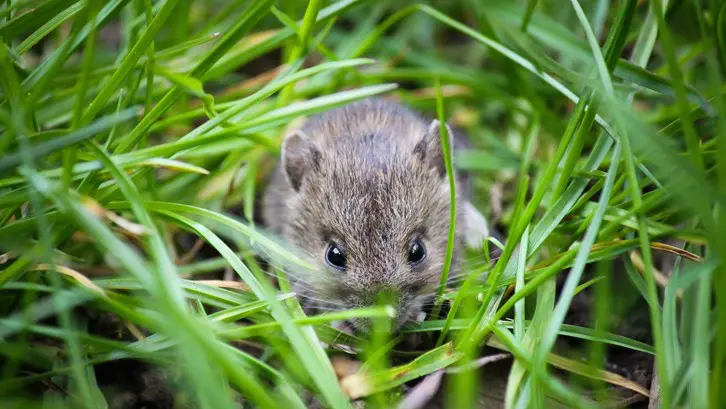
(370, 177)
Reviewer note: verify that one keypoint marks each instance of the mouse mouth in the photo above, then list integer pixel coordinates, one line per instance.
(349, 327)
(356, 327)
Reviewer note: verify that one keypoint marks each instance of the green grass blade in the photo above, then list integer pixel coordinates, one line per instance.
(129, 62)
(250, 17)
(321, 371)
(448, 159)
(69, 139)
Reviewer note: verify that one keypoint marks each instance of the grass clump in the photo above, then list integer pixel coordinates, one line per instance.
(136, 135)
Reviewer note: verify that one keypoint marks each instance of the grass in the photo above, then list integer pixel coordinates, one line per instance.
(132, 132)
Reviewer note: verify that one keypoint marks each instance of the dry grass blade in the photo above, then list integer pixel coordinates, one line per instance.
(75, 275)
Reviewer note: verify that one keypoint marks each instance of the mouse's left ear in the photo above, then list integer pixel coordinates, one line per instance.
(430, 148)
(299, 157)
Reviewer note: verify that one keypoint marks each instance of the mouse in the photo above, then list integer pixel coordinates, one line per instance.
(362, 190)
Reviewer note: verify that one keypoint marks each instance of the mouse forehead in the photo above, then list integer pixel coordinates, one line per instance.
(376, 196)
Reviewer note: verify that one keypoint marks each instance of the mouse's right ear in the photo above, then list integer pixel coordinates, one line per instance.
(299, 156)
(430, 148)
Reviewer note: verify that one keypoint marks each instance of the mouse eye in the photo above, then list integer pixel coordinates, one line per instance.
(335, 257)
(417, 252)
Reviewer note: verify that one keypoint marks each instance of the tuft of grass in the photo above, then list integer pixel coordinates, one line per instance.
(136, 136)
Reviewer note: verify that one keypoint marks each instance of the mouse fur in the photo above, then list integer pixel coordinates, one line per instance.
(370, 179)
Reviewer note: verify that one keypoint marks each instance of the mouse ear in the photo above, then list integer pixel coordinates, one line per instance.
(299, 156)
(430, 148)
(476, 227)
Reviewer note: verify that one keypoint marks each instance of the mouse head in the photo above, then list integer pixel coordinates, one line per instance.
(373, 213)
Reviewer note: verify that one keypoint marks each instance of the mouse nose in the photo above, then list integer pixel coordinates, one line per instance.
(383, 295)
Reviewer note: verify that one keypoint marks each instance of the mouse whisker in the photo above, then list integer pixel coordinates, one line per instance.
(298, 281)
(322, 308)
(322, 301)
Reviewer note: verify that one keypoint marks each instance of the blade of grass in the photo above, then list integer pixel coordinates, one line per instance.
(320, 370)
(553, 385)
(166, 288)
(247, 54)
(366, 383)
(250, 17)
(129, 62)
(48, 27)
(447, 151)
(69, 139)
(303, 37)
(69, 154)
(681, 95)
(547, 342)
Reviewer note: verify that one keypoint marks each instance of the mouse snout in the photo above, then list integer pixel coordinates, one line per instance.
(380, 295)
(405, 308)
(402, 315)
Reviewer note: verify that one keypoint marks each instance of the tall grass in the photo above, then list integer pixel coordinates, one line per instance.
(136, 136)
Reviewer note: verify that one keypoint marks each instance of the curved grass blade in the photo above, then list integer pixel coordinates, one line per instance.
(129, 62)
(252, 14)
(315, 362)
(193, 339)
(70, 139)
(48, 27)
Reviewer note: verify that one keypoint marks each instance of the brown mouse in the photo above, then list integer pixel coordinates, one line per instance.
(363, 191)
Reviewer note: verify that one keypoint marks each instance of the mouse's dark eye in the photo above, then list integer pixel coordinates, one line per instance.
(417, 252)
(335, 256)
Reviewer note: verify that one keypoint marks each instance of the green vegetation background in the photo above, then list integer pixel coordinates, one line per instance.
(128, 127)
